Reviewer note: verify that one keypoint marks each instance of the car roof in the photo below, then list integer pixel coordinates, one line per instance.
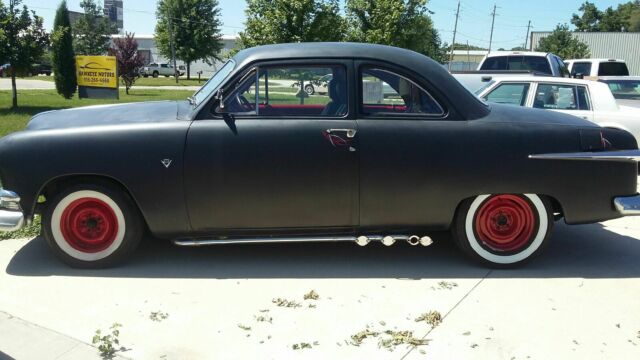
(635, 78)
(522, 53)
(543, 79)
(596, 60)
(466, 104)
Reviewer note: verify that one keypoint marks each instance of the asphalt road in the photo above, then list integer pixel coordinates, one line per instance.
(580, 300)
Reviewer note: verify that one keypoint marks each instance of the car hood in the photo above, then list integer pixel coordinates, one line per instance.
(517, 114)
(101, 115)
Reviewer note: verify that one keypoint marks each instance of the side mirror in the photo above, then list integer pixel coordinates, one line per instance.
(578, 76)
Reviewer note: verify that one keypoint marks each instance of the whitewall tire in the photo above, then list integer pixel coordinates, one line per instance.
(92, 226)
(503, 230)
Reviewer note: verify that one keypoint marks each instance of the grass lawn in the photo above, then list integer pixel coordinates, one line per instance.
(31, 102)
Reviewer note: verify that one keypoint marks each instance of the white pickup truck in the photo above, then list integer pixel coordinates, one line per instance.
(590, 100)
(511, 63)
(580, 68)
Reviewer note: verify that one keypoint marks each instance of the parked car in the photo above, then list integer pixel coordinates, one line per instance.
(512, 63)
(580, 68)
(156, 70)
(320, 86)
(625, 89)
(590, 100)
(41, 69)
(238, 164)
(4, 70)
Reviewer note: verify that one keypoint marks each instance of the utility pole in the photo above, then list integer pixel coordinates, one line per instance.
(455, 29)
(526, 39)
(493, 20)
(173, 47)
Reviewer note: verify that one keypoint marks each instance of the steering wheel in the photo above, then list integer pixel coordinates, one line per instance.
(244, 104)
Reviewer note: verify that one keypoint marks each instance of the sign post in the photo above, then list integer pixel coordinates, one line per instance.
(97, 77)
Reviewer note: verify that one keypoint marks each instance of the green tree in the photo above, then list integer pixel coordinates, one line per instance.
(289, 21)
(24, 40)
(195, 25)
(63, 56)
(562, 43)
(401, 23)
(92, 30)
(634, 20)
(589, 19)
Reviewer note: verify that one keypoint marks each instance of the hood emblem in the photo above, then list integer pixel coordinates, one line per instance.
(166, 162)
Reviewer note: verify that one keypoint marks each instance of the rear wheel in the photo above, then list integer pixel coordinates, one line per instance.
(309, 89)
(503, 230)
(92, 225)
(156, 74)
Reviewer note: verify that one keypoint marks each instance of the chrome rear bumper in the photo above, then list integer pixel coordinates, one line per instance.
(11, 216)
(628, 205)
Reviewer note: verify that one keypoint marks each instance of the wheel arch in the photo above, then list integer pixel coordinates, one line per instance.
(56, 183)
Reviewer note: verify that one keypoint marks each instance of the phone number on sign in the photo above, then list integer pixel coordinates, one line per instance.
(102, 81)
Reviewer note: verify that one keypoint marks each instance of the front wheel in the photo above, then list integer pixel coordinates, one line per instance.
(503, 230)
(309, 89)
(92, 225)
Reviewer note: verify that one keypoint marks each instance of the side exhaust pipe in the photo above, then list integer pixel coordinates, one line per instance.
(388, 240)
(363, 240)
(413, 240)
(426, 241)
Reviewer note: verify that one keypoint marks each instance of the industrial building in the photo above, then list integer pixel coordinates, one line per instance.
(607, 45)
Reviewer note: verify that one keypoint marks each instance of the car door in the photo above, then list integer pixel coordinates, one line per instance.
(403, 134)
(273, 156)
(570, 99)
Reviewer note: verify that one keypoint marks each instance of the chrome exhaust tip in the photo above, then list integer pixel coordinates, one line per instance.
(426, 241)
(413, 240)
(388, 240)
(363, 240)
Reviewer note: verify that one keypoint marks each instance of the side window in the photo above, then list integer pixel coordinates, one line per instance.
(509, 93)
(291, 92)
(385, 92)
(583, 68)
(557, 97)
(613, 69)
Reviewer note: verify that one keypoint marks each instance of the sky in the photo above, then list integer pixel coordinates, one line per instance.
(474, 23)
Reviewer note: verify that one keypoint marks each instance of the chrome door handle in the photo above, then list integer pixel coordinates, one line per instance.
(351, 133)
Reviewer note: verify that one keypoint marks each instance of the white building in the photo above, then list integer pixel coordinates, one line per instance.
(147, 48)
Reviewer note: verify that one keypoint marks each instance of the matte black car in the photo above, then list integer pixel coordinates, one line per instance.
(250, 159)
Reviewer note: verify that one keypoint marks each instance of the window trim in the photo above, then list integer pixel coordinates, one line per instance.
(363, 66)
(525, 83)
(307, 63)
(575, 86)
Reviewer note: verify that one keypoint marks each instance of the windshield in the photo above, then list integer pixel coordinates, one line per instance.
(624, 89)
(214, 82)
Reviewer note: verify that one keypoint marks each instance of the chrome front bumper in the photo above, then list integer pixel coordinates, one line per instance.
(628, 205)
(11, 216)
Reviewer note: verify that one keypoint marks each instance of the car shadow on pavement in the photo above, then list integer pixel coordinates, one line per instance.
(589, 251)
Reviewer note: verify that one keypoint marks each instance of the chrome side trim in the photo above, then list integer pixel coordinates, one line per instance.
(192, 242)
(627, 205)
(622, 155)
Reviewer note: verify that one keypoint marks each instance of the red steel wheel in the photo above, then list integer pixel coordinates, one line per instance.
(89, 225)
(92, 225)
(503, 230)
(505, 223)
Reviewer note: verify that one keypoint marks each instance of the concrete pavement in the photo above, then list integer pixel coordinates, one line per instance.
(578, 301)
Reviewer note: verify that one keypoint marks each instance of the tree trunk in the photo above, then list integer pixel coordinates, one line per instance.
(14, 90)
(188, 70)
